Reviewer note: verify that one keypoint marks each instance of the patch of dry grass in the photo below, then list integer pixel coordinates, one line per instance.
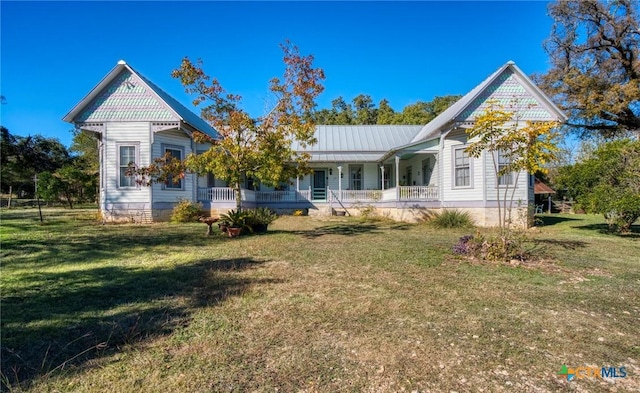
(321, 306)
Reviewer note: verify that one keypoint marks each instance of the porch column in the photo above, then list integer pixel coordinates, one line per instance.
(297, 187)
(340, 181)
(397, 178)
(382, 177)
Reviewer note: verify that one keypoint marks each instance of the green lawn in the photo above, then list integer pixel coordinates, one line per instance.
(335, 305)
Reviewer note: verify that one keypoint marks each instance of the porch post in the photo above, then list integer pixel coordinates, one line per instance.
(397, 177)
(382, 177)
(340, 181)
(297, 187)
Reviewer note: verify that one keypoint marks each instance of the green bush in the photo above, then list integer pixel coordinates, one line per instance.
(186, 211)
(451, 219)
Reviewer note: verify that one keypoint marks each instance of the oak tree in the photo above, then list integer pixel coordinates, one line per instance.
(594, 49)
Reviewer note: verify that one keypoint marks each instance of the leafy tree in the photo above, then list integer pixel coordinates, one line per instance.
(386, 114)
(608, 183)
(259, 148)
(595, 65)
(366, 113)
(524, 148)
(342, 112)
(24, 157)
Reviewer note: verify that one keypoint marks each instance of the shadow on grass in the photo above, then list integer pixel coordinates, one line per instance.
(69, 318)
(634, 232)
(566, 244)
(553, 220)
(347, 229)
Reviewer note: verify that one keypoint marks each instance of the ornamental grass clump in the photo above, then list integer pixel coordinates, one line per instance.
(451, 219)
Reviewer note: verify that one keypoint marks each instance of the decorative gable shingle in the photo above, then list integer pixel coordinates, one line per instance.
(126, 98)
(506, 90)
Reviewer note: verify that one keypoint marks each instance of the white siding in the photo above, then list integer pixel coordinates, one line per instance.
(521, 188)
(176, 139)
(123, 133)
(449, 192)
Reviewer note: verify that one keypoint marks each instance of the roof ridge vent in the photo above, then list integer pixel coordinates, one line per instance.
(122, 62)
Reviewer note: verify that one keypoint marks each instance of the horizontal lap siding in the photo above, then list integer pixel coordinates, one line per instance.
(459, 138)
(175, 139)
(118, 133)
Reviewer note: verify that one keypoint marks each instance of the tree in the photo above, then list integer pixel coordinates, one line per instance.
(70, 183)
(608, 183)
(342, 112)
(366, 113)
(24, 157)
(259, 148)
(595, 65)
(513, 149)
(386, 114)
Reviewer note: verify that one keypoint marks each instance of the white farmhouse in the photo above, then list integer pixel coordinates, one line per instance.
(402, 171)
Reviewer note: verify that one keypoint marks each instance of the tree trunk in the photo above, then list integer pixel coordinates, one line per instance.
(238, 193)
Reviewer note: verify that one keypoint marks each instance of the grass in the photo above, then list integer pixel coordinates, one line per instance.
(336, 305)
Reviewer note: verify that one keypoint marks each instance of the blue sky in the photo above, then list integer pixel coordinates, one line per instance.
(54, 53)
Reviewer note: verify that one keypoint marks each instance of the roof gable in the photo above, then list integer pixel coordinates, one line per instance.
(124, 94)
(504, 85)
(125, 98)
(508, 90)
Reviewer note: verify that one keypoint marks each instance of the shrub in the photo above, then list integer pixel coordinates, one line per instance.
(451, 219)
(298, 213)
(186, 211)
(259, 219)
(502, 247)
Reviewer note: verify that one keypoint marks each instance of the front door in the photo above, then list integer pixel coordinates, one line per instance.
(319, 184)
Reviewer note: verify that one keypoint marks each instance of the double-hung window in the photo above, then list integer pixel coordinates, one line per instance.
(462, 168)
(505, 179)
(175, 153)
(127, 155)
(355, 174)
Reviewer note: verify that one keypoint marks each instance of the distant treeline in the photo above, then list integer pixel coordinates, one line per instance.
(362, 110)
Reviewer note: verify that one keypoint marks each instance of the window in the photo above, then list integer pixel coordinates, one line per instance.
(427, 170)
(503, 162)
(355, 177)
(171, 183)
(462, 168)
(127, 154)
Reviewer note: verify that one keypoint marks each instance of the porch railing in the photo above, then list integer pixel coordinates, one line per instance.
(227, 194)
(220, 194)
(418, 193)
(282, 196)
(405, 193)
(358, 195)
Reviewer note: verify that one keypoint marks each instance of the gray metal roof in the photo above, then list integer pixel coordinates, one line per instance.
(360, 139)
(187, 116)
(433, 128)
(172, 104)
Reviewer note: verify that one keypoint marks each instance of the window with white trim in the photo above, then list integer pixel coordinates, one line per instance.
(127, 154)
(171, 183)
(355, 177)
(462, 168)
(427, 170)
(503, 162)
